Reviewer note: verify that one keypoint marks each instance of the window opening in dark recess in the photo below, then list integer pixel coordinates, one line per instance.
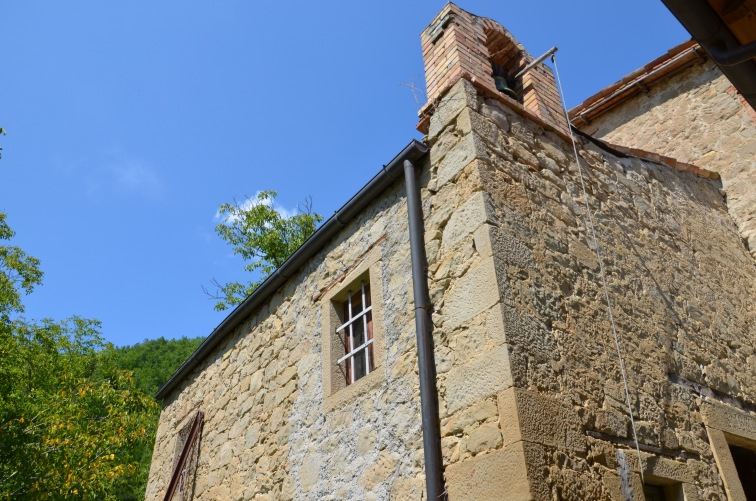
(653, 493)
(665, 490)
(745, 464)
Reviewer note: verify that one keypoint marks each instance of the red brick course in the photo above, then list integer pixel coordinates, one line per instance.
(466, 47)
(675, 60)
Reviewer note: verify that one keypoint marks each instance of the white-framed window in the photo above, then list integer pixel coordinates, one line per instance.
(356, 334)
(353, 333)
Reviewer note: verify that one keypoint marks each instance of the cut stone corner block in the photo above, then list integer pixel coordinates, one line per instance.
(460, 96)
(502, 474)
(470, 148)
(478, 379)
(472, 214)
(533, 417)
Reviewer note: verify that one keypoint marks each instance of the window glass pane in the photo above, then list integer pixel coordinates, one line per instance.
(357, 303)
(348, 361)
(359, 364)
(358, 332)
(369, 316)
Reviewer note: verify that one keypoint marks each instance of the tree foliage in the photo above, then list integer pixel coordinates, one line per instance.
(69, 422)
(153, 361)
(262, 235)
(72, 425)
(19, 274)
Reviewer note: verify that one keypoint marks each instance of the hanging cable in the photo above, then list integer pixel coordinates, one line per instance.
(601, 269)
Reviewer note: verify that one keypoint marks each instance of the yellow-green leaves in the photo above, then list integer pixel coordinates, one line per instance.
(71, 425)
(18, 273)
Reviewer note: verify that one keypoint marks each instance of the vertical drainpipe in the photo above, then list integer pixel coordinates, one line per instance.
(434, 481)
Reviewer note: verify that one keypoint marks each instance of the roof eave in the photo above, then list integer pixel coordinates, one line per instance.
(413, 152)
(708, 28)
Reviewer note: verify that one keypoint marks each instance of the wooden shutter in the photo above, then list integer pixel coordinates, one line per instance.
(186, 451)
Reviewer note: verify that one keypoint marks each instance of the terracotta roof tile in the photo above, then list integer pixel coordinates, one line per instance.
(675, 60)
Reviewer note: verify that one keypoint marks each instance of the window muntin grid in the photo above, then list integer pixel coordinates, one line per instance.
(356, 334)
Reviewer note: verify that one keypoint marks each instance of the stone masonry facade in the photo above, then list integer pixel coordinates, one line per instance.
(267, 432)
(682, 285)
(530, 393)
(696, 117)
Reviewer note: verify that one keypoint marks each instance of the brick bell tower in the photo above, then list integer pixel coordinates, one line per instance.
(457, 44)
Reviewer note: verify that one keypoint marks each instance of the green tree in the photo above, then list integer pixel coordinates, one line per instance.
(262, 235)
(153, 361)
(19, 274)
(71, 424)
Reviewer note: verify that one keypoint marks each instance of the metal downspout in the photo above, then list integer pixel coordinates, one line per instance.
(434, 481)
(705, 25)
(733, 56)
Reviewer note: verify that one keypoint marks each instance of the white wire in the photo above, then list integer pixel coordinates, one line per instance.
(601, 269)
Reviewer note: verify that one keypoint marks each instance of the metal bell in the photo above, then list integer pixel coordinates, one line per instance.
(503, 86)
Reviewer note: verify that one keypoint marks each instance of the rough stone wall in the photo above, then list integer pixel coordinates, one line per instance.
(532, 402)
(271, 433)
(530, 397)
(267, 434)
(696, 117)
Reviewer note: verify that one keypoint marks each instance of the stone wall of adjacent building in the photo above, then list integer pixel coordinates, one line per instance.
(695, 117)
(532, 398)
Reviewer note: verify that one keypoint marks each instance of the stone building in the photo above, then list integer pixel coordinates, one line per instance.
(314, 387)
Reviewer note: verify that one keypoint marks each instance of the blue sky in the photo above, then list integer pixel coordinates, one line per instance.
(130, 122)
